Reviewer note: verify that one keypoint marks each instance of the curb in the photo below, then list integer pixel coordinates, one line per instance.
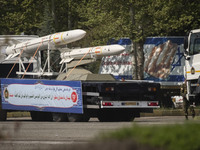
(156, 112)
(170, 112)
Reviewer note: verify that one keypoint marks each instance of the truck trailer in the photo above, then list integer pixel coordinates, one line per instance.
(54, 100)
(75, 94)
(163, 63)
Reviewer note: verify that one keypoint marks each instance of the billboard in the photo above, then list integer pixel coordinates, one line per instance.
(42, 95)
(120, 66)
(164, 59)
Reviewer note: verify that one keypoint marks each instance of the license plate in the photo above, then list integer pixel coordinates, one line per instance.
(129, 103)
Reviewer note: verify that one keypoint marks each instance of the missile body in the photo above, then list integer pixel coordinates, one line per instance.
(91, 52)
(56, 40)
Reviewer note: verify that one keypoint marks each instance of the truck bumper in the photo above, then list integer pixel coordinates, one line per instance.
(130, 104)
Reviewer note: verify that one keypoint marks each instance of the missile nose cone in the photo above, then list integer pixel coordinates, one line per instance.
(80, 33)
(69, 36)
(118, 48)
(77, 34)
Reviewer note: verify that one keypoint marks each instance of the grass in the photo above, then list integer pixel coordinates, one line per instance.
(171, 137)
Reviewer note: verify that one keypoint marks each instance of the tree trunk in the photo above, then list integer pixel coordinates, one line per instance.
(135, 70)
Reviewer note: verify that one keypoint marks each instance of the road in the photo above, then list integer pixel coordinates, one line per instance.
(22, 133)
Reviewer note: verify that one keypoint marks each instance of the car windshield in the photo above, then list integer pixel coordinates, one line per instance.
(195, 44)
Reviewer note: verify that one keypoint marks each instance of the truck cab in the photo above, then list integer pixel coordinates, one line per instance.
(192, 64)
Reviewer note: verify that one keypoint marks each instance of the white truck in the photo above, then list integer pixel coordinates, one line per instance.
(192, 65)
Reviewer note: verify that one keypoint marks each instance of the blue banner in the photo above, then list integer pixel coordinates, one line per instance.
(164, 60)
(42, 95)
(160, 40)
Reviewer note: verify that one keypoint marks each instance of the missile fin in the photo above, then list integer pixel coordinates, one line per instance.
(61, 61)
(9, 56)
(64, 49)
(14, 55)
(66, 60)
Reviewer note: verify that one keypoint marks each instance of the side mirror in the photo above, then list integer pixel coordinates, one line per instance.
(186, 53)
(186, 42)
(187, 57)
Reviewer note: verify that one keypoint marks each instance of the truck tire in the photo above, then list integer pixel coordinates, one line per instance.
(114, 119)
(41, 116)
(3, 115)
(108, 116)
(115, 116)
(59, 117)
(103, 118)
(77, 117)
(34, 116)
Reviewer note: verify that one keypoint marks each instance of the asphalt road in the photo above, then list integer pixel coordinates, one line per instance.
(22, 133)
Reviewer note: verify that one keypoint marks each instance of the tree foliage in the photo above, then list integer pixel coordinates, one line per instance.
(102, 19)
(20, 16)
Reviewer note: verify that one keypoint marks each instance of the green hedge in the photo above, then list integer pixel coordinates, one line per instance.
(171, 137)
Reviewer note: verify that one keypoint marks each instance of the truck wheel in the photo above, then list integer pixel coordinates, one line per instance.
(114, 119)
(34, 115)
(41, 116)
(77, 117)
(59, 117)
(105, 116)
(114, 116)
(47, 116)
(127, 118)
(3, 115)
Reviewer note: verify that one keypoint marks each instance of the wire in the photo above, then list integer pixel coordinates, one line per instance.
(15, 62)
(77, 64)
(55, 61)
(32, 59)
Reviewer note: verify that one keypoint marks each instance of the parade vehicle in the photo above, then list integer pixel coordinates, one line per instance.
(79, 100)
(192, 65)
(73, 93)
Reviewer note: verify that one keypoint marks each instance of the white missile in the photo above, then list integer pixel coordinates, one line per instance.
(54, 40)
(91, 52)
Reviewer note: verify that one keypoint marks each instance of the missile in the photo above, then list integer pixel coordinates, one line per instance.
(54, 40)
(90, 53)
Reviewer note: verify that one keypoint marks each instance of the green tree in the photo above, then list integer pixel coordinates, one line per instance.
(47, 21)
(102, 19)
(175, 17)
(20, 16)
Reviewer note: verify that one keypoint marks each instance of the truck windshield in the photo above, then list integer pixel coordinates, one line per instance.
(194, 44)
